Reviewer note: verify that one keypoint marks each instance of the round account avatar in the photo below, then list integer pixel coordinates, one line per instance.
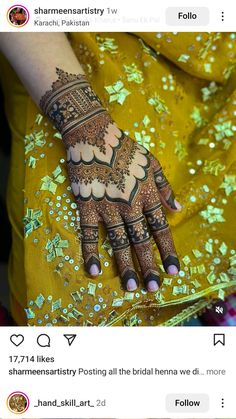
(18, 15)
(17, 402)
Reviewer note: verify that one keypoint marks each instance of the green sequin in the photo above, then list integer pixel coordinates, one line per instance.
(158, 103)
(55, 247)
(32, 220)
(35, 139)
(56, 305)
(107, 44)
(209, 91)
(186, 259)
(180, 289)
(167, 281)
(213, 167)
(117, 302)
(223, 130)
(223, 249)
(209, 247)
(143, 139)
(213, 214)
(106, 245)
(39, 301)
(133, 73)
(229, 184)
(92, 288)
(197, 253)
(29, 313)
(180, 150)
(117, 92)
(211, 277)
(183, 58)
(32, 162)
(50, 183)
(228, 71)
(38, 119)
(197, 118)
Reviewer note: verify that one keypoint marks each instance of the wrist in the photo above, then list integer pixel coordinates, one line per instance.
(75, 110)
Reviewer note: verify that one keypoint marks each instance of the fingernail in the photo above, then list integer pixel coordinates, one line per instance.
(172, 270)
(152, 286)
(131, 285)
(94, 270)
(177, 205)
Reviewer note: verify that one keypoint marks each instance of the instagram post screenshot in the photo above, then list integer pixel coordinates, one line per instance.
(117, 209)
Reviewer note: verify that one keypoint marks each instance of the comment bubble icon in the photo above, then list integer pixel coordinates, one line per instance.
(44, 341)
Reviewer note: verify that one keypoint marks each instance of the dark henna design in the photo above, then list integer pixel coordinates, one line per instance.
(89, 233)
(98, 151)
(118, 237)
(165, 189)
(121, 246)
(156, 218)
(119, 240)
(171, 201)
(113, 178)
(138, 230)
(151, 276)
(126, 275)
(91, 260)
(164, 241)
(90, 131)
(90, 246)
(163, 185)
(160, 179)
(171, 260)
(147, 263)
(125, 265)
(105, 174)
(76, 110)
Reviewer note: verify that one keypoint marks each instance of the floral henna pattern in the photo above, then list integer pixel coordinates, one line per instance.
(90, 233)
(114, 179)
(121, 246)
(119, 181)
(90, 246)
(114, 174)
(76, 110)
(147, 263)
(91, 132)
(156, 218)
(138, 231)
(118, 237)
(98, 152)
(161, 232)
(164, 241)
(139, 235)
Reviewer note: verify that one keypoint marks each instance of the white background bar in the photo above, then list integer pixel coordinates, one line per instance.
(140, 395)
(116, 15)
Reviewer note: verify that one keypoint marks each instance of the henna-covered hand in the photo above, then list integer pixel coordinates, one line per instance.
(114, 179)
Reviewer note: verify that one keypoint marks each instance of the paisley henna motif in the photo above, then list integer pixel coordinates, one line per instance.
(163, 184)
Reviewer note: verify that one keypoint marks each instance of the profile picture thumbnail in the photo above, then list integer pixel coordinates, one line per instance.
(18, 402)
(18, 15)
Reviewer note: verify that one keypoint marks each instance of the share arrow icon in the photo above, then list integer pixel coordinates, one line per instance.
(70, 338)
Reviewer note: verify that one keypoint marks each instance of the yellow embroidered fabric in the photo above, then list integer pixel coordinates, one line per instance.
(174, 94)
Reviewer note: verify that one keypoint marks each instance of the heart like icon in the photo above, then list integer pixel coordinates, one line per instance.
(17, 340)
